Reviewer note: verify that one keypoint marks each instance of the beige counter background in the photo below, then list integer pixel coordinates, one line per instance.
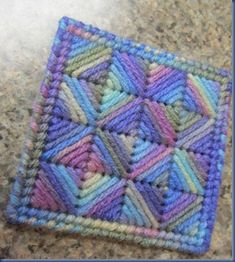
(198, 30)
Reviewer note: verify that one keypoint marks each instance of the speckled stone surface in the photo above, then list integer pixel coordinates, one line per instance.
(198, 30)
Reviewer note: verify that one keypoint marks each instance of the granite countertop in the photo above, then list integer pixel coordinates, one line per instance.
(199, 30)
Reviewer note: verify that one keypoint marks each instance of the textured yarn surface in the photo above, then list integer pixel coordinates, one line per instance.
(126, 141)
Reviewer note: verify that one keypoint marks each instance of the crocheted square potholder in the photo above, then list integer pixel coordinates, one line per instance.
(125, 141)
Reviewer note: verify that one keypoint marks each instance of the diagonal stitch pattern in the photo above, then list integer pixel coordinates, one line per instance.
(126, 141)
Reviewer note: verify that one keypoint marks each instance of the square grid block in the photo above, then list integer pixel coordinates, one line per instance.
(126, 141)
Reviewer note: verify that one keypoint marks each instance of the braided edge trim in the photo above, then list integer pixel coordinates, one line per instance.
(17, 211)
